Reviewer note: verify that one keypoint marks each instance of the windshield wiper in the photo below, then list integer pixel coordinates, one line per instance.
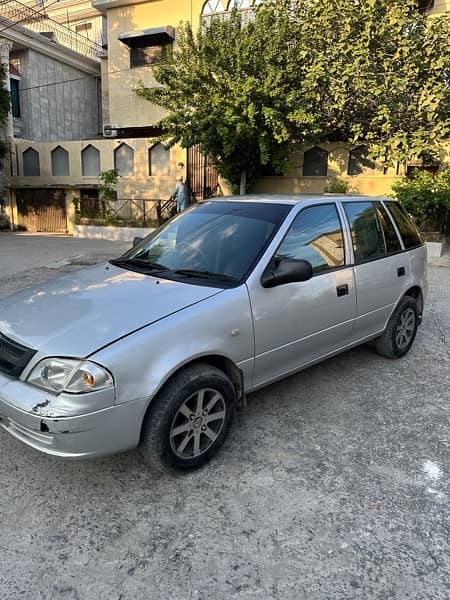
(205, 274)
(138, 262)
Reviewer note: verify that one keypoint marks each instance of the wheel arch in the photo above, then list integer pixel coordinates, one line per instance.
(219, 361)
(415, 292)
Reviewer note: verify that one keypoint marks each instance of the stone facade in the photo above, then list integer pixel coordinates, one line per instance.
(58, 101)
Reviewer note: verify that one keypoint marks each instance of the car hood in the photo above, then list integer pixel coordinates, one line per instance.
(77, 314)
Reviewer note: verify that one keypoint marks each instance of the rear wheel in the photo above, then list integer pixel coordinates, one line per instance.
(401, 330)
(189, 420)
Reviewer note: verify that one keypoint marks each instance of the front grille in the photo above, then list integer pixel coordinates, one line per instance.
(13, 356)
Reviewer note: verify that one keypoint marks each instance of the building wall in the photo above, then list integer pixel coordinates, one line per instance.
(125, 107)
(440, 6)
(52, 110)
(138, 185)
(372, 182)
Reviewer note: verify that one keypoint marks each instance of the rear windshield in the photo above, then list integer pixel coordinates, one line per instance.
(409, 232)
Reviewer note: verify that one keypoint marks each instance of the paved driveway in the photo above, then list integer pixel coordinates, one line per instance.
(334, 484)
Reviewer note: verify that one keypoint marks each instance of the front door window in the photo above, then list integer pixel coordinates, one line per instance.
(316, 236)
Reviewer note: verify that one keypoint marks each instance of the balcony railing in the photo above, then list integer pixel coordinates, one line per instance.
(13, 12)
(247, 14)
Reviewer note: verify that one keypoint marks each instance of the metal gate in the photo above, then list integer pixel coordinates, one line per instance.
(202, 177)
(41, 210)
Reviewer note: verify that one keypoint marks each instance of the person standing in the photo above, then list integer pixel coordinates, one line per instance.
(181, 194)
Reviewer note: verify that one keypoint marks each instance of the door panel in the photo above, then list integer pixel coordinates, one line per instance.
(384, 271)
(379, 288)
(299, 322)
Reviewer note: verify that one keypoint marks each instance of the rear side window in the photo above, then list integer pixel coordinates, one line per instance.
(367, 234)
(390, 235)
(316, 236)
(409, 232)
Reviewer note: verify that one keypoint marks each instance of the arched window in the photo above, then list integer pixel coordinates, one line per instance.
(358, 161)
(158, 161)
(315, 163)
(31, 166)
(60, 162)
(124, 160)
(90, 162)
(212, 7)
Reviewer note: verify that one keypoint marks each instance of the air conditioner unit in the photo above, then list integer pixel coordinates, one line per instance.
(110, 130)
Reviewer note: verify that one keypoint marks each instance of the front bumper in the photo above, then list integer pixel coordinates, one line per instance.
(97, 433)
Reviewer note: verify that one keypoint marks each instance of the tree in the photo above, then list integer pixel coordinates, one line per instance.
(375, 71)
(224, 89)
(107, 188)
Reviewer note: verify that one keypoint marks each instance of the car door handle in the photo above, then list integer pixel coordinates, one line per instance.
(342, 290)
(401, 271)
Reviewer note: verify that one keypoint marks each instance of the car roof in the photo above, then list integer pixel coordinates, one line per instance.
(293, 199)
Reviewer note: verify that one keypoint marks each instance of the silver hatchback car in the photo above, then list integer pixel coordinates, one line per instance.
(156, 348)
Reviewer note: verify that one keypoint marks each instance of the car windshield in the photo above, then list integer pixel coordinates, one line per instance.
(214, 241)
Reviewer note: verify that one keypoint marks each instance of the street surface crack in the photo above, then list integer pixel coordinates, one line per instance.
(440, 330)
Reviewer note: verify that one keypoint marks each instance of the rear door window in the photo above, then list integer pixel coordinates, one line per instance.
(316, 236)
(409, 232)
(390, 235)
(367, 233)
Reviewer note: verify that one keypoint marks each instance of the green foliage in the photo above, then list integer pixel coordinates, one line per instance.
(4, 109)
(354, 71)
(4, 147)
(77, 211)
(374, 71)
(338, 186)
(426, 197)
(5, 100)
(107, 187)
(225, 89)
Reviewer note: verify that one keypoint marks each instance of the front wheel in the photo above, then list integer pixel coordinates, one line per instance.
(399, 335)
(189, 420)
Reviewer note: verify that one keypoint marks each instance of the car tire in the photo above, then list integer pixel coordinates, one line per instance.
(189, 420)
(400, 333)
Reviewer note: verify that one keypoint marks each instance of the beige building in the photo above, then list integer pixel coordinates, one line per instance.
(435, 6)
(133, 33)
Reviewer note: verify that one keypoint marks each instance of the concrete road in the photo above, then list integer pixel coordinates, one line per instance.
(26, 258)
(334, 484)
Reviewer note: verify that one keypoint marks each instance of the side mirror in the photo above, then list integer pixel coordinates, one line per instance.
(137, 240)
(289, 270)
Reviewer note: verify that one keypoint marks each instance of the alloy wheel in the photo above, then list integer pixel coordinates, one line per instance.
(404, 331)
(197, 423)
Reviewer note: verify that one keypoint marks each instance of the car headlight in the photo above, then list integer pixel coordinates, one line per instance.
(70, 375)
